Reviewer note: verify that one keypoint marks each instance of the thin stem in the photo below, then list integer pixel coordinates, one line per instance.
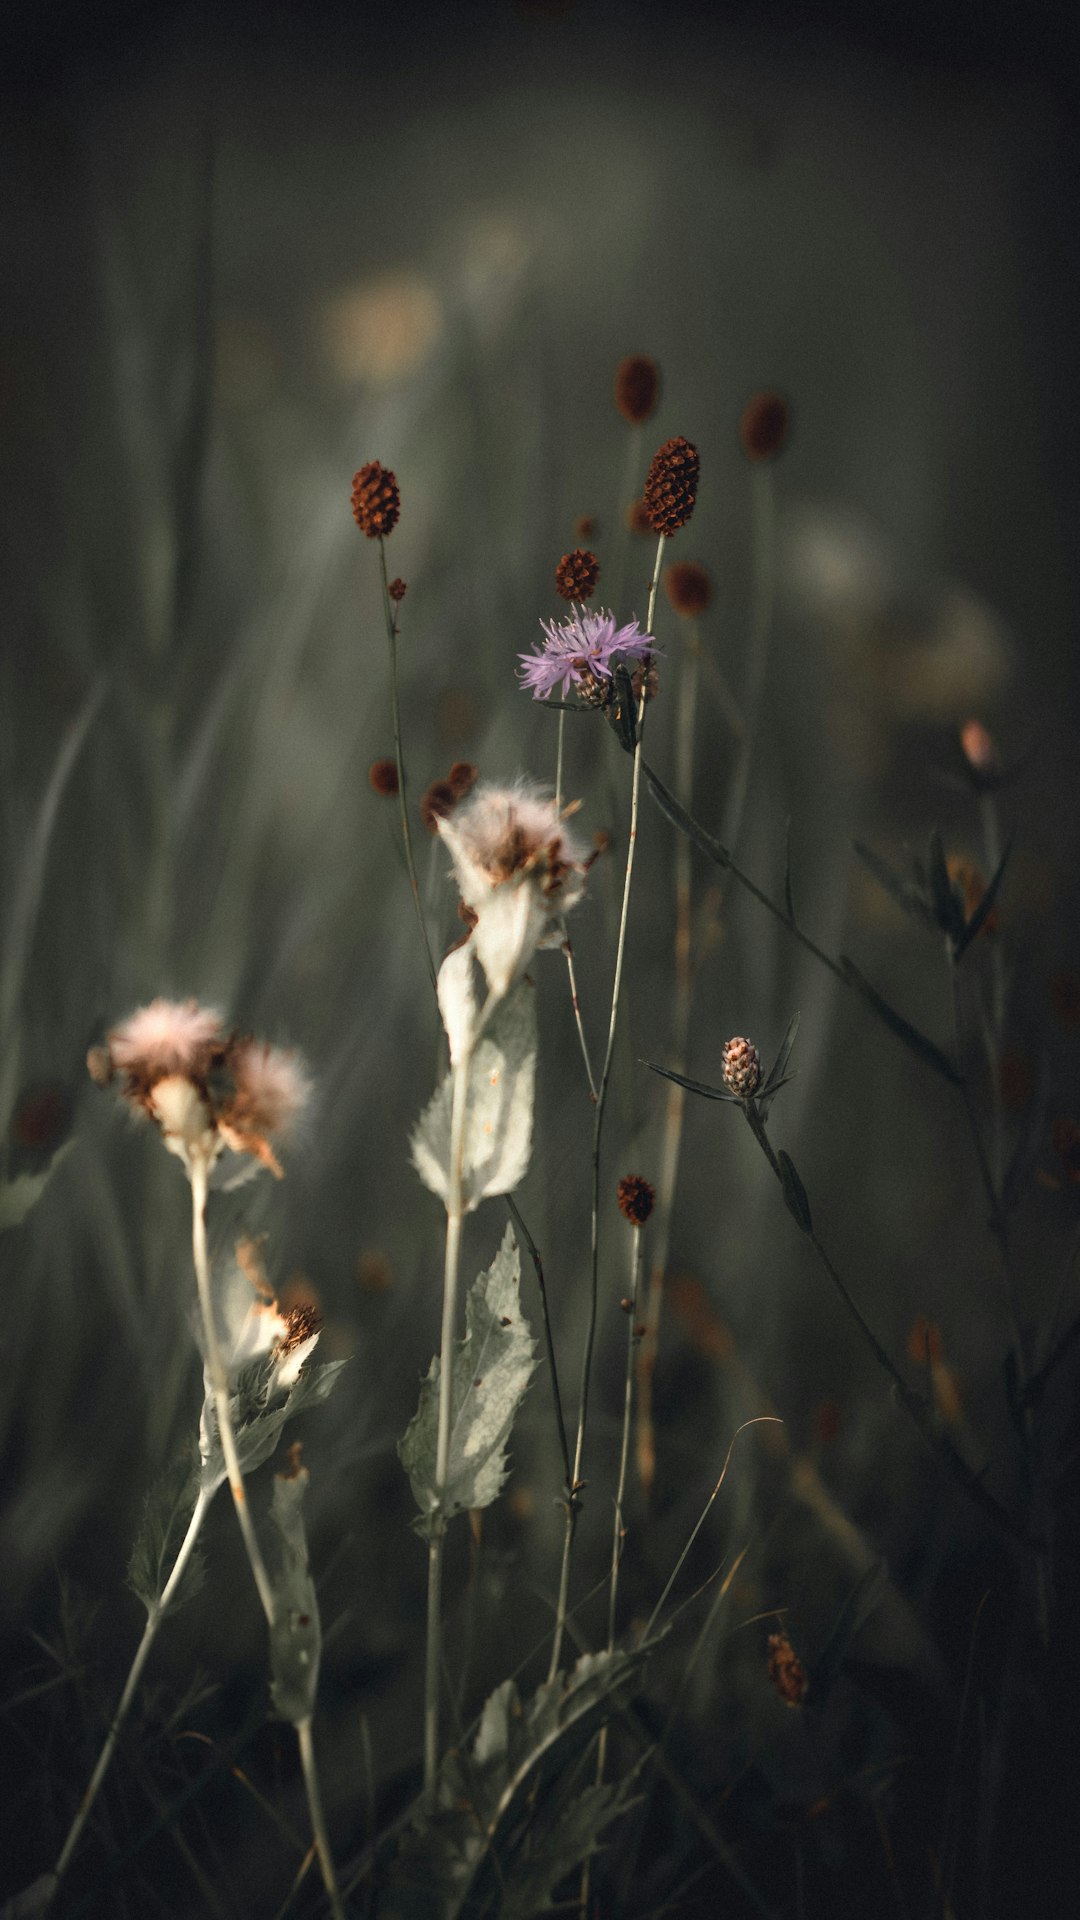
(219, 1385)
(318, 1819)
(406, 835)
(572, 1502)
(155, 1615)
(618, 1533)
(524, 1234)
(576, 1003)
(559, 759)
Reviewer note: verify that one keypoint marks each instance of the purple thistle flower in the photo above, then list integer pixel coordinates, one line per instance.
(586, 643)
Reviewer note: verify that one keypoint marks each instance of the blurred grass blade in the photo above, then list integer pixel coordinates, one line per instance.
(985, 908)
(902, 1028)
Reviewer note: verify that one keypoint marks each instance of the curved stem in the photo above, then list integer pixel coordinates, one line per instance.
(406, 835)
(573, 1489)
(219, 1385)
(524, 1234)
(155, 1615)
(318, 1820)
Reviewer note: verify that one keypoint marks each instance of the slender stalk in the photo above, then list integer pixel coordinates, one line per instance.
(318, 1819)
(632, 1336)
(219, 1385)
(155, 1615)
(572, 1501)
(566, 947)
(524, 1234)
(406, 835)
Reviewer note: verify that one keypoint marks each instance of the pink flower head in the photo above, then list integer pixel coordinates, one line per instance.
(519, 870)
(587, 643)
(269, 1089)
(167, 1037)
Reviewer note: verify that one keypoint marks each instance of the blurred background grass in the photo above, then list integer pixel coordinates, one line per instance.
(242, 254)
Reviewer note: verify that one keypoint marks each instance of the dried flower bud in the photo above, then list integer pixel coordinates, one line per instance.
(462, 777)
(637, 387)
(741, 1068)
(269, 1089)
(763, 425)
(519, 869)
(397, 590)
(439, 801)
(671, 485)
(586, 527)
(577, 574)
(637, 518)
(383, 778)
(376, 502)
(688, 588)
(979, 748)
(636, 1199)
(786, 1670)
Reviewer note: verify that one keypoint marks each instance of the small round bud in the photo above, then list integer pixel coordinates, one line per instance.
(383, 778)
(688, 588)
(637, 387)
(786, 1670)
(764, 425)
(671, 485)
(437, 803)
(397, 590)
(577, 574)
(979, 748)
(636, 1199)
(462, 778)
(741, 1068)
(376, 502)
(586, 527)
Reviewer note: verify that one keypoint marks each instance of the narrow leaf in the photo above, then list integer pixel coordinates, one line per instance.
(985, 908)
(685, 822)
(491, 1370)
(693, 1086)
(778, 1074)
(498, 1126)
(902, 1028)
(795, 1194)
(295, 1634)
(948, 913)
(907, 897)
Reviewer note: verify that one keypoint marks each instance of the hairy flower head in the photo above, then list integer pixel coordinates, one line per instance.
(586, 644)
(518, 869)
(269, 1090)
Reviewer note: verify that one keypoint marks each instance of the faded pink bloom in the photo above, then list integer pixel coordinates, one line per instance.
(519, 870)
(168, 1036)
(269, 1089)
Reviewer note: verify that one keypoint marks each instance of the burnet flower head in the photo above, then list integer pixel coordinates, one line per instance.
(205, 1087)
(583, 650)
(519, 869)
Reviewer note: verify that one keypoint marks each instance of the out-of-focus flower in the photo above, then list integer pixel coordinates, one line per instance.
(636, 1198)
(764, 425)
(203, 1087)
(688, 588)
(588, 644)
(436, 802)
(979, 747)
(518, 870)
(383, 778)
(637, 387)
(786, 1670)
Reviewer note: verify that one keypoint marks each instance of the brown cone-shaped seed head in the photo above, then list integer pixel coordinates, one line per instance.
(688, 588)
(764, 425)
(636, 1199)
(577, 574)
(439, 801)
(637, 387)
(397, 590)
(376, 502)
(383, 778)
(671, 485)
(741, 1068)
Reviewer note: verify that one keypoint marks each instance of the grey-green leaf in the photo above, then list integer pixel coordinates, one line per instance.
(17, 1196)
(903, 1029)
(491, 1370)
(498, 1126)
(166, 1511)
(295, 1637)
(779, 1073)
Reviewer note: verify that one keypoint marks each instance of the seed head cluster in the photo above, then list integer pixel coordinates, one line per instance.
(577, 574)
(671, 485)
(637, 387)
(636, 1199)
(741, 1068)
(376, 502)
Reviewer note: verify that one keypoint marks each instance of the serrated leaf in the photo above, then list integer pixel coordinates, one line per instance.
(491, 1370)
(295, 1636)
(167, 1508)
(498, 1123)
(794, 1194)
(985, 908)
(908, 898)
(778, 1075)
(566, 1844)
(258, 1431)
(18, 1196)
(897, 1024)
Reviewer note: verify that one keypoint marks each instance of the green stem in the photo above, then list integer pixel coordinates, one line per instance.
(572, 1501)
(406, 835)
(219, 1385)
(318, 1819)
